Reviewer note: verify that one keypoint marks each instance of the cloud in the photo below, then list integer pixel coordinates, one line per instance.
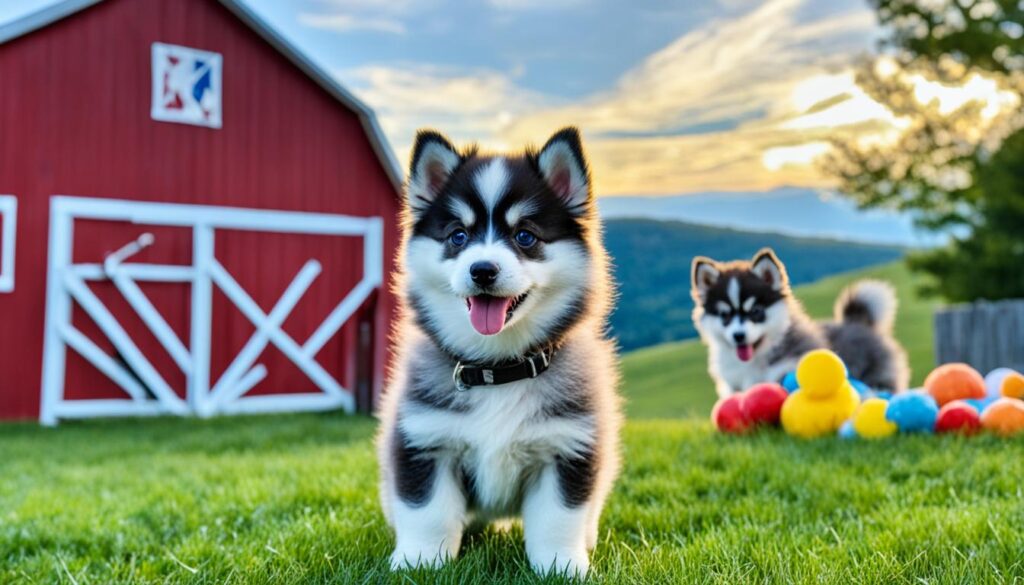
(468, 105)
(347, 23)
(750, 76)
(741, 103)
(726, 70)
(386, 16)
(534, 4)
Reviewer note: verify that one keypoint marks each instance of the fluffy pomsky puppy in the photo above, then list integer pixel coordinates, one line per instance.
(756, 330)
(503, 399)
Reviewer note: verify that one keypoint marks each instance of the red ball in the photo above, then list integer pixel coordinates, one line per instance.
(958, 417)
(762, 403)
(728, 415)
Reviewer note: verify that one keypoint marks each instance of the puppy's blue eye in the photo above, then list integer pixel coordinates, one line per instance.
(459, 238)
(525, 239)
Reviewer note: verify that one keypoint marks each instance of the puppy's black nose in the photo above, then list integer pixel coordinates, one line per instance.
(484, 273)
(740, 337)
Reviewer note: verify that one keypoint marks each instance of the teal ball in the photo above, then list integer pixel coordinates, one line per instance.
(789, 382)
(913, 412)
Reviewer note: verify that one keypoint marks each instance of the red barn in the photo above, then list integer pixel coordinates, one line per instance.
(196, 219)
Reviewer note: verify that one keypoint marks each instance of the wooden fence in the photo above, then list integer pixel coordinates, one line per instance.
(986, 335)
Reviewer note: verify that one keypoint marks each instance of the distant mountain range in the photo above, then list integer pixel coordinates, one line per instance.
(792, 211)
(652, 266)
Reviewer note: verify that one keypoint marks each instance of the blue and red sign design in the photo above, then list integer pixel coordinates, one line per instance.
(186, 85)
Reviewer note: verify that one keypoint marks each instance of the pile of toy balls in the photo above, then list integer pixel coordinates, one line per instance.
(820, 399)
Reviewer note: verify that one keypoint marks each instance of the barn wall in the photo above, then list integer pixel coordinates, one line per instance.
(74, 119)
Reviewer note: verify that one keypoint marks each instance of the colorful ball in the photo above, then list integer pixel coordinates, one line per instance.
(800, 417)
(1012, 386)
(994, 381)
(951, 382)
(958, 417)
(980, 404)
(847, 431)
(869, 420)
(808, 417)
(820, 373)
(913, 412)
(727, 415)
(861, 388)
(789, 382)
(762, 404)
(851, 398)
(1004, 417)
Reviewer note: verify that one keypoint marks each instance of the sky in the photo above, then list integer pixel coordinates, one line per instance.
(673, 96)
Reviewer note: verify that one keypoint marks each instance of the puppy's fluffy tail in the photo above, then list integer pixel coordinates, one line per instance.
(868, 302)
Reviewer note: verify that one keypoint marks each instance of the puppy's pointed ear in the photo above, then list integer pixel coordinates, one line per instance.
(564, 167)
(433, 161)
(767, 266)
(704, 275)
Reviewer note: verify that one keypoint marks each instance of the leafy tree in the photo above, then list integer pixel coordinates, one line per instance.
(956, 169)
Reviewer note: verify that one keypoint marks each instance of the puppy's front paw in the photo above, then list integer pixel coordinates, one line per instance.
(415, 557)
(565, 562)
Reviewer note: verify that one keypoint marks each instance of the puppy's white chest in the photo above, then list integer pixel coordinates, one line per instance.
(503, 444)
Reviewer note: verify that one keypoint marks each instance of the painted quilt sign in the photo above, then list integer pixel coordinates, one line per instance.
(186, 85)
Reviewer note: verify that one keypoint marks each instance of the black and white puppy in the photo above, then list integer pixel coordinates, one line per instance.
(756, 330)
(503, 277)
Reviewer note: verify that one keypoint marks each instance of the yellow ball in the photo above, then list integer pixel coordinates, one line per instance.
(1013, 386)
(800, 416)
(869, 420)
(851, 400)
(820, 373)
(808, 417)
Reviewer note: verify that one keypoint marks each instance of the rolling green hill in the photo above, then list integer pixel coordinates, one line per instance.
(652, 267)
(671, 380)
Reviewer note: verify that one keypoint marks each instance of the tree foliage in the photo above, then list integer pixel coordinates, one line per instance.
(956, 166)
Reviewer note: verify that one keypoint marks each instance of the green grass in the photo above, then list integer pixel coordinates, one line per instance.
(293, 499)
(671, 380)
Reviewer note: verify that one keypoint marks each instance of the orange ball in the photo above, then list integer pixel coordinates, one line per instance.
(1004, 417)
(954, 382)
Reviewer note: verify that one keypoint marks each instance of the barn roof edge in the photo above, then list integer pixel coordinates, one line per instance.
(48, 15)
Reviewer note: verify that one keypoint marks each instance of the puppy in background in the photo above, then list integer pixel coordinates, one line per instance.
(756, 330)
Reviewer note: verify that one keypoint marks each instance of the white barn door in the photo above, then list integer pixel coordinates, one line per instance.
(146, 392)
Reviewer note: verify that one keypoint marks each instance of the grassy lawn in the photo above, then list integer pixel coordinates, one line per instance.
(293, 499)
(671, 380)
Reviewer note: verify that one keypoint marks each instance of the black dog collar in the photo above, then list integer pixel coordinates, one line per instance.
(467, 375)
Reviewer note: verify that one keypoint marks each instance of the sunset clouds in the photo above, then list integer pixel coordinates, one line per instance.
(744, 97)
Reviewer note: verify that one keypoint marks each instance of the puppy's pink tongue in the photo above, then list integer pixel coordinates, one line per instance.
(487, 314)
(744, 352)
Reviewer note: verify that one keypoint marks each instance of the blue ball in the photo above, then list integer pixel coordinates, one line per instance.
(913, 412)
(980, 404)
(789, 382)
(861, 388)
(880, 394)
(847, 431)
